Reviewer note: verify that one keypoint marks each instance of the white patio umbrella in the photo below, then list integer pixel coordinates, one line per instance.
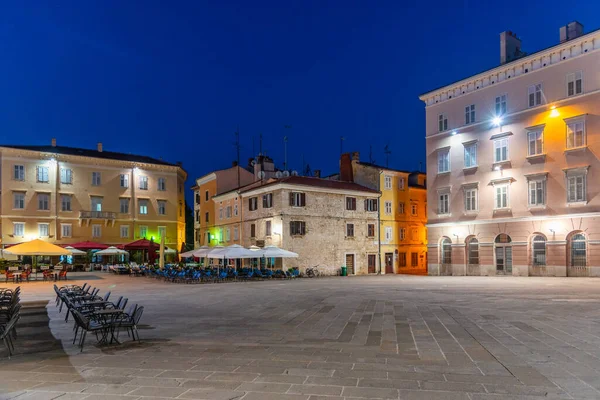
(74, 251)
(234, 251)
(111, 251)
(201, 251)
(276, 252)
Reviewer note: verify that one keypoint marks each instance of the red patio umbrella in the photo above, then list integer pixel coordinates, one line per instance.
(144, 245)
(86, 246)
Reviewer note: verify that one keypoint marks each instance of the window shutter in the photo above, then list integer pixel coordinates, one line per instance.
(303, 199)
(291, 198)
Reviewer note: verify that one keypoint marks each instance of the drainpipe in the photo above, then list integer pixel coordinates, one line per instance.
(379, 223)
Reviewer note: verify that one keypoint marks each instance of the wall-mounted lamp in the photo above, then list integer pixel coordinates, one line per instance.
(497, 121)
(454, 133)
(554, 112)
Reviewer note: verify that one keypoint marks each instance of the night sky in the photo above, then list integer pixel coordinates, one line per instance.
(174, 79)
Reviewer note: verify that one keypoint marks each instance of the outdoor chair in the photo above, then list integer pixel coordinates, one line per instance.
(86, 325)
(24, 276)
(131, 322)
(62, 275)
(9, 275)
(6, 331)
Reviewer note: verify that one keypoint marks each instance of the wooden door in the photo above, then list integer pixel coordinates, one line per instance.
(389, 263)
(350, 263)
(372, 263)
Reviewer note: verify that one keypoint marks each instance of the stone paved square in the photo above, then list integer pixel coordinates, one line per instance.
(371, 337)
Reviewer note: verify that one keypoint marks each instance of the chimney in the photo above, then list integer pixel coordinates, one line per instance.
(53, 142)
(356, 156)
(317, 173)
(234, 163)
(346, 173)
(570, 31)
(510, 47)
(99, 147)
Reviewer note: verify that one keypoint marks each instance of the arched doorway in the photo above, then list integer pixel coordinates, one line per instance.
(503, 254)
(445, 256)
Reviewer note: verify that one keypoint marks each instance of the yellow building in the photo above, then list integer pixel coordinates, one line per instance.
(211, 223)
(65, 195)
(402, 213)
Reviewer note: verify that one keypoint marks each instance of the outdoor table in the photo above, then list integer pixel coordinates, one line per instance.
(108, 317)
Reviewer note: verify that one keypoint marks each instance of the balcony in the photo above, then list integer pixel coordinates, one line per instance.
(107, 216)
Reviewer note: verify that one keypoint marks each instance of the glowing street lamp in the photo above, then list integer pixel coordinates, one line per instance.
(497, 121)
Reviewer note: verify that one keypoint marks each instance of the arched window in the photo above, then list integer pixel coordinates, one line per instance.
(503, 238)
(578, 250)
(473, 251)
(503, 253)
(446, 251)
(538, 251)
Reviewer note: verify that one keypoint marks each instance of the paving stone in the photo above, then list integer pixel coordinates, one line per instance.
(263, 387)
(430, 395)
(379, 393)
(211, 394)
(316, 389)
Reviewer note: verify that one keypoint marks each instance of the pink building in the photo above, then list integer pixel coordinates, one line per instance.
(512, 164)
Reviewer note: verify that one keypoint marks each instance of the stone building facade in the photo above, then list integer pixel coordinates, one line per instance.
(512, 167)
(328, 223)
(66, 195)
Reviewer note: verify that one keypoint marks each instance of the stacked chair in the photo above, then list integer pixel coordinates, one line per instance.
(10, 307)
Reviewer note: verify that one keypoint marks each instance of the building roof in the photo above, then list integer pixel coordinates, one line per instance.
(518, 60)
(313, 182)
(77, 151)
(366, 164)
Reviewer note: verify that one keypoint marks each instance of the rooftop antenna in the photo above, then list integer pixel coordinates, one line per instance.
(342, 144)
(260, 141)
(237, 148)
(387, 152)
(302, 163)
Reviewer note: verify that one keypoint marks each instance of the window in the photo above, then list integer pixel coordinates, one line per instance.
(206, 195)
(220, 212)
(471, 199)
(446, 251)
(43, 201)
(470, 114)
(444, 203)
(576, 188)
(535, 95)
(388, 207)
(387, 181)
(401, 183)
(162, 232)
(236, 233)
(297, 199)
(401, 208)
(536, 144)
(143, 203)
(351, 203)
(96, 203)
(349, 230)
(66, 230)
(66, 176)
(96, 231)
(124, 206)
(124, 231)
(537, 192)
(414, 259)
(297, 228)
(19, 200)
(162, 207)
(143, 182)
(124, 180)
(221, 237)
(574, 84)
(443, 161)
(235, 209)
(197, 198)
(143, 231)
(500, 105)
(19, 173)
(227, 234)
(538, 251)
(19, 229)
(228, 212)
(578, 256)
(442, 123)
(206, 217)
(370, 230)
(413, 209)
(501, 197)
(253, 203)
(268, 228)
(252, 230)
(402, 259)
(473, 251)
(267, 200)
(402, 233)
(501, 150)
(414, 234)
(162, 184)
(388, 234)
(197, 216)
(371, 205)
(96, 179)
(43, 230)
(471, 155)
(65, 202)
(42, 174)
(575, 134)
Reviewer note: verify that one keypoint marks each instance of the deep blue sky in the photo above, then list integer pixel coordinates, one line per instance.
(174, 79)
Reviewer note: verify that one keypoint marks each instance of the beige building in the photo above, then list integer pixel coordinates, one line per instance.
(512, 168)
(65, 195)
(402, 213)
(328, 223)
